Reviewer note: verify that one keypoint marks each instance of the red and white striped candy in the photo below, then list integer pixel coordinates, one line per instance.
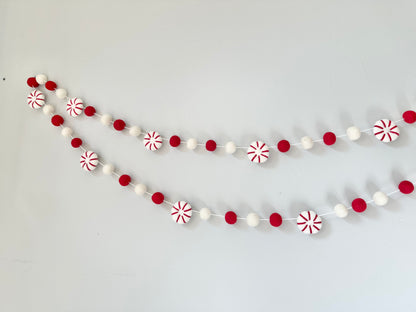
(36, 99)
(386, 130)
(309, 222)
(258, 152)
(89, 161)
(152, 141)
(74, 107)
(181, 212)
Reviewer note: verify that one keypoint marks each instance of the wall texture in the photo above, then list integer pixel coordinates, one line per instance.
(241, 70)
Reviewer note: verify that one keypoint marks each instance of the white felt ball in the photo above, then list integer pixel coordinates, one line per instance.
(135, 131)
(191, 144)
(48, 109)
(140, 189)
(353, 133)
(41, 79)
(205, 213)
(230, 148)
(106, 119)
(253, 219)
(61, 93)
(307, 142)
(380, 199)
(341, 211)
(108, 169)
(66, 131)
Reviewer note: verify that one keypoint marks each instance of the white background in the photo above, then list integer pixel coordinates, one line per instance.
(240, 70)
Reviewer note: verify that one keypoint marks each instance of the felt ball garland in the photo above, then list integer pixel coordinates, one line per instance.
(329, 138)
(309, 222)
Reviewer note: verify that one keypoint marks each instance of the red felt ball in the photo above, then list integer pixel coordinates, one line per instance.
(50, 85)
(359, 205)
(124, 180)
(275, 219)
(406, 187)
(57, 120)
(174, 141)
(329, 138)
(158, 198)
(211, 145)
(119, 124)
(31, 82)
(230, 217)
(409, 116)
(89, 111)
(283, 146)
(76, 142)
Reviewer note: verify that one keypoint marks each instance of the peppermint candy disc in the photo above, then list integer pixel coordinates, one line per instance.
(36, 99)
(386, 130)
(258, 152)
(74, 107)
(181, 212)
(152, 141)
(309, 222)
(89, 161)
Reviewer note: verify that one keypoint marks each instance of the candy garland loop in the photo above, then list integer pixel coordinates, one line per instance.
(308, 222)
(384, 130)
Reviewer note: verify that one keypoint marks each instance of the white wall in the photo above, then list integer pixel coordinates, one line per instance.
(241, 70)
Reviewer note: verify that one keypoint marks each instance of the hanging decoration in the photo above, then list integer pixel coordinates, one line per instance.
(308, 222)
(384, 130)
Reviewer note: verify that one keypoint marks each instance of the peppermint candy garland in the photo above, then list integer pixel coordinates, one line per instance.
(309, 222)
(88, 161)
(181, 212)
(74, 107)
(258, 152)
(36, 99)
(383, 132)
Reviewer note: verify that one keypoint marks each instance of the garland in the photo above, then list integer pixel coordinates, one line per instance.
(308, 222)
(385, 130)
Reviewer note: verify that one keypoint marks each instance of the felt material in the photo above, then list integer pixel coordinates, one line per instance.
(76, 142)
(258, 152)
(329, 138)
(283, 146)
(230, 217)
(275, 219)
(409, 116)
(380, 199)
(61, 93)
(89, 161)
(205, 214)
(307, 142)
(48, 109)
(181, 212)
(140, 189)
(135, 131)
(50, 85)
(108, 169)
(158, 198)
(359, 205)
(41, 79)
(211, 145)
(119, 124)
(74, 107)
(89, 111)
(252, 219)
(353, 133)
(191, 144)
(31, 82)
(406, 187)
(152, 141)
(309, 222)
(36, 99)
(106, 119)
(57, 120)
(124, 180)
(230, 147)
(174, 141)
(67, 131)
(341, 211)
(386, 130)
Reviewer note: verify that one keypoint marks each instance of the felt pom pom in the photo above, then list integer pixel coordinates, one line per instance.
(48, 109)
(174, 141)
(106, 119)
(191, 144)
(158, 198)
(275, 219)
(283, 146)
(353, 133)
(61, 93)
(230, 147)
(67, 132)
(359, 205)
(76, 142)
(230, 217)
(406, 187)
(31, 82)
(57, 120)
(205, 213)
(50, 85)
(252, 219)
(124, 180)
(380, 199)
(341, 211)
(409, 116)
(307, 142)
(89, 111)
(41, 79)
(329, 138)
(119, 124)
(108, 169)
(140, 189)
(135, 131)
(211, 145)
